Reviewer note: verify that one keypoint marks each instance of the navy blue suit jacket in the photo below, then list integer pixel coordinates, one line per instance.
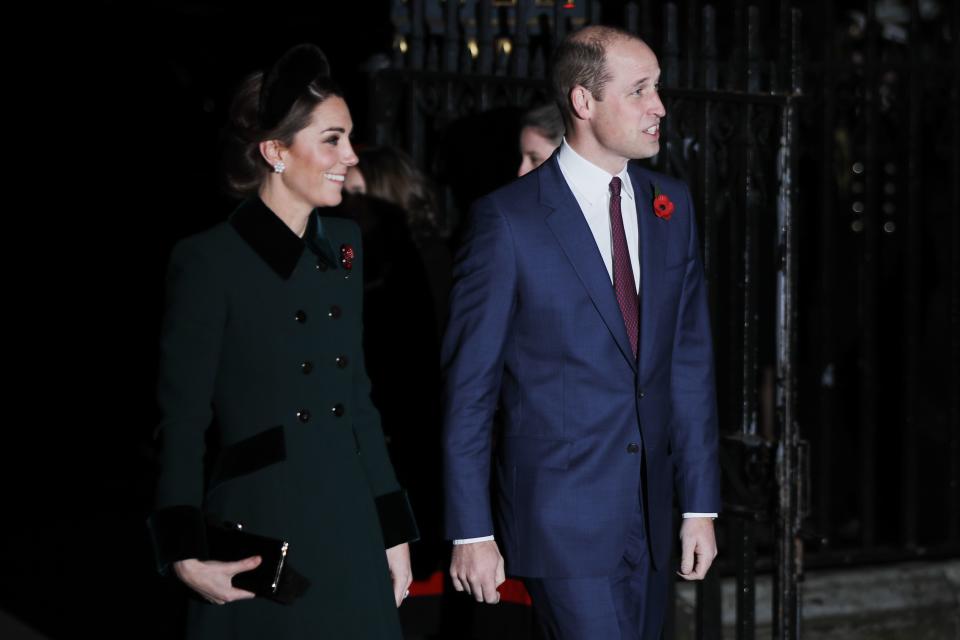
(534, 323)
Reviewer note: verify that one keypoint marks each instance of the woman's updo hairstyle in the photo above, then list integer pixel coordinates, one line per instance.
(274, 106)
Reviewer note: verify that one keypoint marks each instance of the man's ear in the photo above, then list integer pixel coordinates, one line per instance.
(581, 102)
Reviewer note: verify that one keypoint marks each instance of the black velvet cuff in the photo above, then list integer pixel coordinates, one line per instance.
(396, 519)
(177, 533)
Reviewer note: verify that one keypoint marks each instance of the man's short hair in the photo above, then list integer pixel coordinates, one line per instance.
(581, 60)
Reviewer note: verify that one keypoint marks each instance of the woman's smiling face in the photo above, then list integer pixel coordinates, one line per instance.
(317, 161)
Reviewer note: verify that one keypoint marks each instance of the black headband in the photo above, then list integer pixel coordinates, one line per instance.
(287, 80)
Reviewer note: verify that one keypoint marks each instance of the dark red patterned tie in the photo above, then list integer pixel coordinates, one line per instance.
(623, 283)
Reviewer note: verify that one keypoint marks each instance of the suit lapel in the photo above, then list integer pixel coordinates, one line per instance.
(653, 252)
(573, 233)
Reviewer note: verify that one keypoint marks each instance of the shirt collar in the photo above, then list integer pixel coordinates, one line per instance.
(589, 180)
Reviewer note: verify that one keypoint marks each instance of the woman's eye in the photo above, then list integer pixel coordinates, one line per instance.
(333, 140)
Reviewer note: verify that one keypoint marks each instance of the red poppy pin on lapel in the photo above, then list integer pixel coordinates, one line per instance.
(662, 205)
(346, 256)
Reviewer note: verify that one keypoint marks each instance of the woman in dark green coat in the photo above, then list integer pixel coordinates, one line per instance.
(262, 341)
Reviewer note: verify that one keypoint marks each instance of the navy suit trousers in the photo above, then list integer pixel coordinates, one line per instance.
(629, 604)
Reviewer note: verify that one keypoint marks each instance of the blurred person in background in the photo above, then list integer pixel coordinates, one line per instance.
(541, 133)
(406, 271)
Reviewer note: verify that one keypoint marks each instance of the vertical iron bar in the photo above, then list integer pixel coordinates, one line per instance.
(746, 596)
(469, 22)
(783, 54)
(754, 53)
(736, 61)
(748, 374)
(827, 414)
(416, 39)
(706, 183)
(869, 268)
(744, 530)
(709, 56)
(632, 18)
(786, 590)
(521, 41)
(596, 12)
(559, 22)
(646, 22)
(954, 285)
(691, 45)
(400, 16)
(452, 45)
(486, 38)
(911, 294)
(788, 550)
(671, 46)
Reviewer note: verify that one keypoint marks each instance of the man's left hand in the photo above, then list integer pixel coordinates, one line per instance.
(698, 548)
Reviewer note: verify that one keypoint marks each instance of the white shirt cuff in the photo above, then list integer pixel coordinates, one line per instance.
(472, 540)
(700, 515)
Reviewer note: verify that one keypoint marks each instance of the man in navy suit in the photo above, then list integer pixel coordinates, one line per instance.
(579, 303)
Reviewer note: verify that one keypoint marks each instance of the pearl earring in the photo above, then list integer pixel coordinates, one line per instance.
(279, 167)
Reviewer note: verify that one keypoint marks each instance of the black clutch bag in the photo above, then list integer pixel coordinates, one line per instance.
(273, 578)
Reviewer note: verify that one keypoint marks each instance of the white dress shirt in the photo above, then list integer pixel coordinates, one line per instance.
(591, 187)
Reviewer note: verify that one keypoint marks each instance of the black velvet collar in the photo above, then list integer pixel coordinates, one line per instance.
(275, 242)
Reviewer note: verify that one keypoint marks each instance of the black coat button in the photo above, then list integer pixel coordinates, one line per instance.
(322, 266)
(334, 312)
(303, 415)
(301, 316)
(306, 367)
(342, 362)
(633, 447)
(338, 410)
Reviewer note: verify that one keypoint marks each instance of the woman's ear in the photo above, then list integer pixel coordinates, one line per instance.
(272, 151)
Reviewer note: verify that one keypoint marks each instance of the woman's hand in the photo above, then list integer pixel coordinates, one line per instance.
(398, 560)
(211, 578)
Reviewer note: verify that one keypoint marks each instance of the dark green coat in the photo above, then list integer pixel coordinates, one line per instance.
(263, 331)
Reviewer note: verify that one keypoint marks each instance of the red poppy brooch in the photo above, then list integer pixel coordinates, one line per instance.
(662, 205)
(346, 256)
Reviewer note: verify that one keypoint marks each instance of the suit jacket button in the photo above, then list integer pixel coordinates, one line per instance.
(303, 415)
(342, 362)
(306, 367)
(633, 447)
(640, 393)
(301, 316)
(334, 312)
(338, 410)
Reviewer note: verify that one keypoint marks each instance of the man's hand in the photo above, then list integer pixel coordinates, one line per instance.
(211, 578)
(401, 575)
(477, 568)
(698, 548)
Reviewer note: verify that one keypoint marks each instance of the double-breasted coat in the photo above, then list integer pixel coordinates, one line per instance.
(262, 339)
